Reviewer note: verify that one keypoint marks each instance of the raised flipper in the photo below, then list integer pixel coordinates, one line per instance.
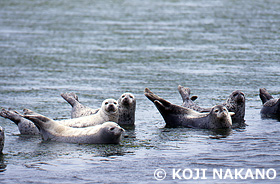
(189, 101)
(71, 98)
(264, 95)
(11, 115)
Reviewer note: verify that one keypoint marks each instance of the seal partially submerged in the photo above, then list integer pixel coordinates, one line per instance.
(25, 126)
(178, 116)
(106, 133)
(108, 112)
(235, 103)
(271, 106)
(2, 139)
(126, 106)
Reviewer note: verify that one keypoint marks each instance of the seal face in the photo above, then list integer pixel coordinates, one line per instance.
(2, 139)
(106, 133)
(25, 126)
(271, 106)
(126, 106)
(178, 116)
(235, 103)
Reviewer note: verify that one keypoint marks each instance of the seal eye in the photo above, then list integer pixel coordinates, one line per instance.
(216, 110)
(123, 96)
(106, 103)
(115, 103)
(130, 96)
(112, 128)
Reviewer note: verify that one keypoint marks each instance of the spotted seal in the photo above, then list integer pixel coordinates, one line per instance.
(126, 105)
(271, 106)
(2, 139)
(25, 126)
(106, 133)
(178, 116)
(235, 103)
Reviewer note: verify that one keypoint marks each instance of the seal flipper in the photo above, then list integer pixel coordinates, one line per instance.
(38, 120)
(184, 92)
(264, 95)
(71, 98)
(13, 116)
(150, 95)
(193, 98)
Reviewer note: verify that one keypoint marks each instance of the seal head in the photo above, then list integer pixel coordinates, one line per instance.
(236, 103)
(127, 107)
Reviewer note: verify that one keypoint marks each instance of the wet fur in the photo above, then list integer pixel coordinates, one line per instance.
(178, 116)
(271, 106)
(235, 103)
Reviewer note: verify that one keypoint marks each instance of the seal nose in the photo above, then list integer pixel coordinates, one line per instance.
(111, 107)
(126, 101)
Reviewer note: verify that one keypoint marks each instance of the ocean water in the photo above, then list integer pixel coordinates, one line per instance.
(101, 49)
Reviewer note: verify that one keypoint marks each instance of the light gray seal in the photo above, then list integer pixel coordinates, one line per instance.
(271, 106)
(108, 112)
(2, 139)
(235, 103)
(106, 133)
(78, 109)
(178, 116)
(126, 106)
(25, 126)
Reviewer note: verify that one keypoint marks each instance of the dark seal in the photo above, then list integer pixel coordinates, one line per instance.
(178, 116)
(2, 139)
(235, 103)
(271, 106)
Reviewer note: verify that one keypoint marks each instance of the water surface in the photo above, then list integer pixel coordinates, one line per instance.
(101, 49)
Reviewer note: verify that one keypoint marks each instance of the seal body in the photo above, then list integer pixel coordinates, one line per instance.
(108, 112)
(2, 139)
(271, 106)
(78, 109)
(178, 116)
(126, 106)
(235, 103)
(106, 133)
(25, 126)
